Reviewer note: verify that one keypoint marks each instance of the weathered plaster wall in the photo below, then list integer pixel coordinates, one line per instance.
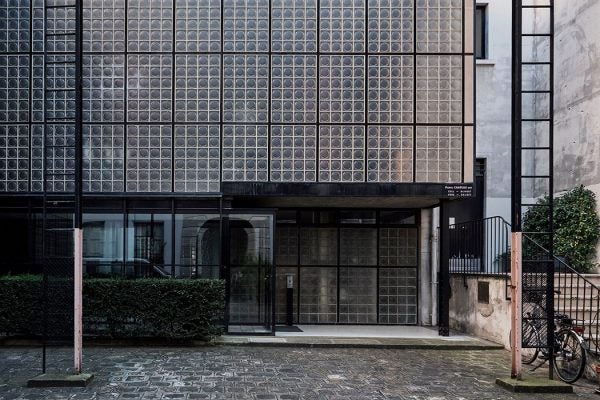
(489, 321)
(577, 97)
(494, 106)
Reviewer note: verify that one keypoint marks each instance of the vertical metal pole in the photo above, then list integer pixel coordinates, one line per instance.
(550, 265)
(78, 232)
(516, 192)
(516, 306)
(78, 300)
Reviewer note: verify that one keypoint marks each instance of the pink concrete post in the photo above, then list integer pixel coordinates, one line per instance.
(78, 300)
(516, 295)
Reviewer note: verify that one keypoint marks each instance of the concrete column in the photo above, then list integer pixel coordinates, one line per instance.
(425, 267)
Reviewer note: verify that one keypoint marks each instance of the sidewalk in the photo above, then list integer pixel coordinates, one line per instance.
(270, 373)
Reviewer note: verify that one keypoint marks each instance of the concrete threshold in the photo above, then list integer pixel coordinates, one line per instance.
(534, 385)
(440, 343)
(60, 380)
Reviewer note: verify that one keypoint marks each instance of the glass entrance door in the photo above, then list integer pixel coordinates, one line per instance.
(250, 273)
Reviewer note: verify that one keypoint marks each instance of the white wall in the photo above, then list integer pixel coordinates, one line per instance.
(494, 108)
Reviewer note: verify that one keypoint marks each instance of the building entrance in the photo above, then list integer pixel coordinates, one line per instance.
(348, 267)
(248, 268)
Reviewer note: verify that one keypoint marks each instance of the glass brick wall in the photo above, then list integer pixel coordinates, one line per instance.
(181, 95)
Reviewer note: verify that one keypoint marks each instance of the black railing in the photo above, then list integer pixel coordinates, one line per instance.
(574, 294)
(480, 247)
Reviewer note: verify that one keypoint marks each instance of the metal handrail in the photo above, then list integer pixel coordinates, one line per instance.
(577, 297)
(480, 247)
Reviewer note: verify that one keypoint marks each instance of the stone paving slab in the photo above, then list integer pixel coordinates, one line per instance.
(242, 372)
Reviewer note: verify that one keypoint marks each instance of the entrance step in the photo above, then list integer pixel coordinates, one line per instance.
(441, 343)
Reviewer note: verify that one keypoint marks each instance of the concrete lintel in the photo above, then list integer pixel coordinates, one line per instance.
(534, 385)
(60, 380)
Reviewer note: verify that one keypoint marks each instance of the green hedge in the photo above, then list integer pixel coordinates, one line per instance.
(576, 226)
(119, 308)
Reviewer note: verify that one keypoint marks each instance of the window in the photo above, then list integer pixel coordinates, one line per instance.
(480, 32)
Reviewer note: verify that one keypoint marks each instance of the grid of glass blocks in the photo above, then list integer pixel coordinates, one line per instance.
(104, 25)
(197, 88)
(37, 25)
(390, 89)
(287, 245)
(60, 93)
(439, 26)
(60, 20)
(293, 153)
(245, 88)
(358, 246)
(391, 26)
(342, 26)
(14, 92)
(358, 296)
(390, 154)
(318, 246)
(397, 295)
(318, 291)
(439, 154)
(294, 26)
(103, 158)
(198, 26)
(439, 89)
(148, 158)
(103, 88)
(14, 26)
(14, 158)
(341, 153)
(294, 89)
(398, 247)
(342, 89)
(37, 87)
(245, 153)
(149, 86)
(59, 159)
(197, 158)
(246, 25)
(150, 25)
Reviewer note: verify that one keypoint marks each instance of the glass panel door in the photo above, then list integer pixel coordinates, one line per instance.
(250, 274)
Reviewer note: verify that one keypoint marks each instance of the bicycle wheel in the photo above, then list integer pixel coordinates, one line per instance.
(569, 355)
(532, 337)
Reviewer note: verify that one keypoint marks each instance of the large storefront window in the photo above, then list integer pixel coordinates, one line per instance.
(103, 244)
(197, 245)
(149, 245)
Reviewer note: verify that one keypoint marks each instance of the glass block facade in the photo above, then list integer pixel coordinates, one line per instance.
(182, 95)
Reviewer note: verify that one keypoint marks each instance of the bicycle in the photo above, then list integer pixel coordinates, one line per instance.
(569, 346)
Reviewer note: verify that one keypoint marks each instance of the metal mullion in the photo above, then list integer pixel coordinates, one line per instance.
(173, 108)
(414, 93)
(269, 107)
(462, 105)
(30, 113)
(221, 96)
(318, 97)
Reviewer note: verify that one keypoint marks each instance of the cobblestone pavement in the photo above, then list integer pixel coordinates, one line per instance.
(271, 373)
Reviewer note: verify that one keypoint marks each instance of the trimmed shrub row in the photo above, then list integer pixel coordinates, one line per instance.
(120, 308)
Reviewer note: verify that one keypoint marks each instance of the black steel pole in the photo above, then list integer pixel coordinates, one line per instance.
(516, 136)
(444, 274)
